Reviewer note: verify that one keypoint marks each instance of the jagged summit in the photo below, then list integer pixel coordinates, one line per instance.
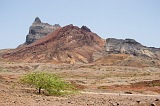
(38, 30)
(85, 28)
(57, 25)
(37, 20)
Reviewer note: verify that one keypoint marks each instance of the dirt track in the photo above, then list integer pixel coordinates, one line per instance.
(119, 94)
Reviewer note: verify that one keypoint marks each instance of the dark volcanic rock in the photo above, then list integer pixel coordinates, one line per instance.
(37, 20)
(85, 28)
(38, 30)
(130, 46)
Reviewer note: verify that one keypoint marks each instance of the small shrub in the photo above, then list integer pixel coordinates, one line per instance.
(51, 83)
(102, 87)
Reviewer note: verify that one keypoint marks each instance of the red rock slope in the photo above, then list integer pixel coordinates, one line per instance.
(68, 44)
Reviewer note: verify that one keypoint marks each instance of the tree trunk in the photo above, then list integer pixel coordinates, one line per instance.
(39, 90)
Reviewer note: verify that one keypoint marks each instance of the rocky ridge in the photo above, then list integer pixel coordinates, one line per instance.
(128, 52)
(130, 46)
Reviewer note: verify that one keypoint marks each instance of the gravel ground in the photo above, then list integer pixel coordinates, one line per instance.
(14, 94)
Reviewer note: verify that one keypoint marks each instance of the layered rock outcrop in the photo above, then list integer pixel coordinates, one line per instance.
(130, 46)
(39, 30)
(85, 28)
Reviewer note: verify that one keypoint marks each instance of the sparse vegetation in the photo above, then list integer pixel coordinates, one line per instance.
(152, 83)
(102, 87)
(50, 83)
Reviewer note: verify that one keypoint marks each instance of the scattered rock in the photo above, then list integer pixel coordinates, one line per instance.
(138, 101)
(115, 104)
(4, 91)
(69, 101)
(91, 102)
(153, 104)
(127, 92)
(48, 99)
(14, 101)
(156, 99)
(38, 100)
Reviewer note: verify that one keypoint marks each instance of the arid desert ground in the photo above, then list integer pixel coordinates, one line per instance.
(98, 85)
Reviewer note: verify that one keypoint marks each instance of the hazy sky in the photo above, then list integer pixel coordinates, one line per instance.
(136, 19)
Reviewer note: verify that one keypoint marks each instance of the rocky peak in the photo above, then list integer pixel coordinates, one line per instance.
(37, 20)
(131, 41)
(57, 25)
(82, 37)
(39, 30)
(85, 28)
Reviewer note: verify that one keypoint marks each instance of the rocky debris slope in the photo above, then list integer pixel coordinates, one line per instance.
(130, 46)
(68, 44)
(38, 30)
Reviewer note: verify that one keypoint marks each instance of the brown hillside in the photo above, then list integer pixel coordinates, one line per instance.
(111, 59)
(126, 60)
(69, 44)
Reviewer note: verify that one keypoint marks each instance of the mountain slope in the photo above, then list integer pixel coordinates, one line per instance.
(68, 44)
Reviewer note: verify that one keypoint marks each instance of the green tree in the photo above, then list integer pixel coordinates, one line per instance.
(53, 84)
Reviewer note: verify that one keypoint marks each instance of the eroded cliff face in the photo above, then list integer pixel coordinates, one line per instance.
(128, 52)
(130, 46)
(39, 30)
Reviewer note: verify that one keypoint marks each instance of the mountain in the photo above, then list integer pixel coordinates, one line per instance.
(68, 44)
(39, 30)
(71, 45)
